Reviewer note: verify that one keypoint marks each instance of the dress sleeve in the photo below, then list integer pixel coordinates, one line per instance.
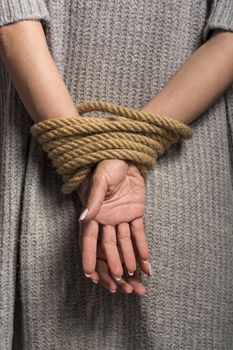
(16, 10)
(220, 17)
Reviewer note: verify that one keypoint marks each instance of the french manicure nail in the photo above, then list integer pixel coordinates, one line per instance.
(149, 265)
(130, 273)
(145, 261)
(95, 281)
(117, 278)
(113, 290)
(83, 214)
(87, 274)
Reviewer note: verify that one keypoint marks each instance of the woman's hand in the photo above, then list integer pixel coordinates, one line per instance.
(114, 196)
(127, 283)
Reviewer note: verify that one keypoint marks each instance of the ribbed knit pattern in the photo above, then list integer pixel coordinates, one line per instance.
(123, 52)
(15, 10)
(221, 16)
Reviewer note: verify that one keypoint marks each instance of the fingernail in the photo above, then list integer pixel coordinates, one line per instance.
(130, 273)
(95, 281)
(149, 265)
(117, 278)
(145, 261)
(83, 214)
(129, 291)
(87, 275)
(113, 290)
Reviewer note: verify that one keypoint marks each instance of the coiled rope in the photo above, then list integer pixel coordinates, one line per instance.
(75, 144)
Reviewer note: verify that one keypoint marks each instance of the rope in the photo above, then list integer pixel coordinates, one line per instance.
(76, 144)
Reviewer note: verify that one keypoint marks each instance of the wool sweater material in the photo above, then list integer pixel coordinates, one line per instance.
(122, 52)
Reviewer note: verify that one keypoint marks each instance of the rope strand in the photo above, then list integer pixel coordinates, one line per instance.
(75, 144)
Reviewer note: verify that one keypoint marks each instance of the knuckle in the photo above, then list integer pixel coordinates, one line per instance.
(89, 238)
(124, 237)
(109, 243)
(107, 227)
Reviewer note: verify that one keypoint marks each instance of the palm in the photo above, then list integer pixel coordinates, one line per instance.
(124, 200)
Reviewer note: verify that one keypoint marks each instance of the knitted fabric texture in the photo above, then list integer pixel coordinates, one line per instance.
(123, 52)
(75, 144)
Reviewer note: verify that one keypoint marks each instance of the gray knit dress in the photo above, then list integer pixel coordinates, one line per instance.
(121, 51)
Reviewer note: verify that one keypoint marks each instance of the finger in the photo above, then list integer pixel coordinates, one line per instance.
(104, 276)
(89, 245)
(100, 251)
(125, 242)
(98, 189)
(109, 244)
(120, 254)
(94, 277)
(80, 235)
(144, 266)
(123, 285)
(140, 240)
(135, 283)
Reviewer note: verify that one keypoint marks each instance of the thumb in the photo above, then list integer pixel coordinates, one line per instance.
(96, 197)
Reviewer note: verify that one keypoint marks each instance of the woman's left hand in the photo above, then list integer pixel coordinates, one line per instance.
(114, 195)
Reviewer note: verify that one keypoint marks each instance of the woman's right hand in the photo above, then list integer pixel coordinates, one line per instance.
(115, 197)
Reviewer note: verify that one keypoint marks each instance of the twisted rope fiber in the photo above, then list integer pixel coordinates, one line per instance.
(76, 144)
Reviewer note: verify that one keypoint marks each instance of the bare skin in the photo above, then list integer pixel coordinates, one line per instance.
(117, 195)
(199, 82)
(39, 83)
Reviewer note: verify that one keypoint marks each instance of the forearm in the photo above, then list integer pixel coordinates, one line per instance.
(200, 81)
(25, 53)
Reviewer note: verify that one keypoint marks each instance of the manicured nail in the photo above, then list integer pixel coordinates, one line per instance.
(113, 290)
(84, 213)
(95, 281)
(130, 273)
(117, 278)
(129, 291)
(145, 261)
(87, 274)
(149, 265)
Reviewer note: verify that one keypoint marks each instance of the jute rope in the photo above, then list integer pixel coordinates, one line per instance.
(76, 144)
